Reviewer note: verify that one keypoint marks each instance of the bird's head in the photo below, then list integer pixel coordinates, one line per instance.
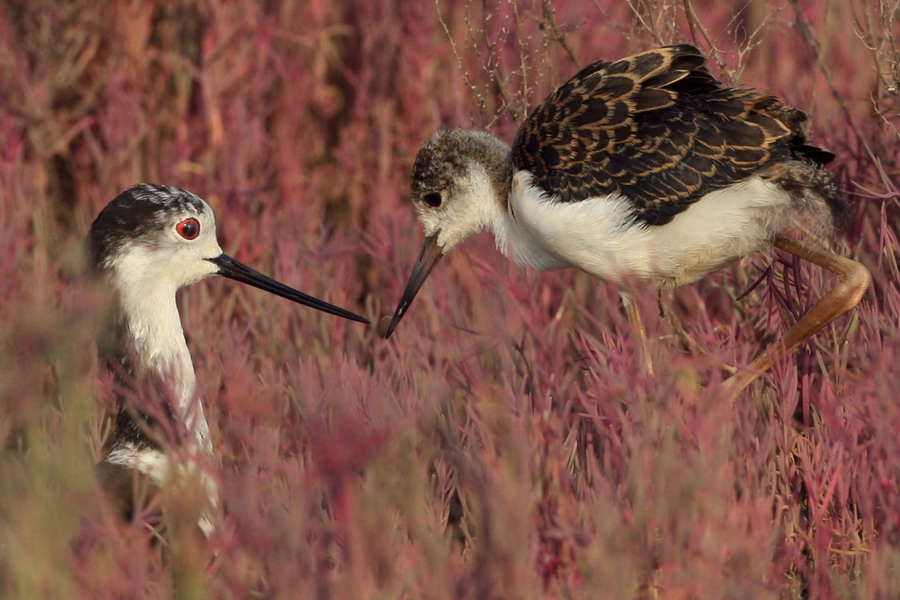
(460, 183)
(155, 235)
(155, 239)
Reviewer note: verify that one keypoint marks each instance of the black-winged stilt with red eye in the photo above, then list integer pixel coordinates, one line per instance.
(148, 242)
(646, 169)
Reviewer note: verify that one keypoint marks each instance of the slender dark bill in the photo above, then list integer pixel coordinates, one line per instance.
(232, 269)
(431, 254)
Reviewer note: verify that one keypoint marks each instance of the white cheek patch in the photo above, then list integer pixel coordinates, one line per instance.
(471, 207)
(431, 221)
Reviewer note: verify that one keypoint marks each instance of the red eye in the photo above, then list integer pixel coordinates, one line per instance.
(189, 228)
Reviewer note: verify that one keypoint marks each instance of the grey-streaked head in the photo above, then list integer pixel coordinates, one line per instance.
(459, 178)
(159, 236)
(156, 232)
(460, 186)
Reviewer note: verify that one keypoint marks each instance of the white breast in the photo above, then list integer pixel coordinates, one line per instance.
(600, 236)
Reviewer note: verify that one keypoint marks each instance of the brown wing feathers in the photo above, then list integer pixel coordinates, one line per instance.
(658, 128)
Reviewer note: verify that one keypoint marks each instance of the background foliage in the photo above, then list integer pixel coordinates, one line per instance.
(506, 442)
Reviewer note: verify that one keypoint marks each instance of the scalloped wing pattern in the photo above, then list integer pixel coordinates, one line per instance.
(658, 128)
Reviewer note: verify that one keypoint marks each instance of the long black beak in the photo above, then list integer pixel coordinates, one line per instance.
(232, 269)
(431, 254)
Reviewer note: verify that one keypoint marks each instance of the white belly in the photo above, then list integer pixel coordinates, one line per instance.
(599, 235)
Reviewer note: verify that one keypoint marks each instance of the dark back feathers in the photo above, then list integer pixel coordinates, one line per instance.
(658, 128)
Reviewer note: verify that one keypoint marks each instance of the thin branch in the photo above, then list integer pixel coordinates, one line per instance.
(803, 27)
(549, 12)
(459, 61)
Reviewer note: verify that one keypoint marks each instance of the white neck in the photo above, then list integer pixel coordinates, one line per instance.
(152, 321)
(515, 241)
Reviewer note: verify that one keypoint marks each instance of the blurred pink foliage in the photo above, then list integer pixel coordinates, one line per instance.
(505, 443)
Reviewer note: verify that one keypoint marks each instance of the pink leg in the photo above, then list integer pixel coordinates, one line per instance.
(854, 280)
(634, 317)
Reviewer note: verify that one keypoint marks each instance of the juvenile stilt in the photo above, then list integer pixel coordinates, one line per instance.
(646, 169)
